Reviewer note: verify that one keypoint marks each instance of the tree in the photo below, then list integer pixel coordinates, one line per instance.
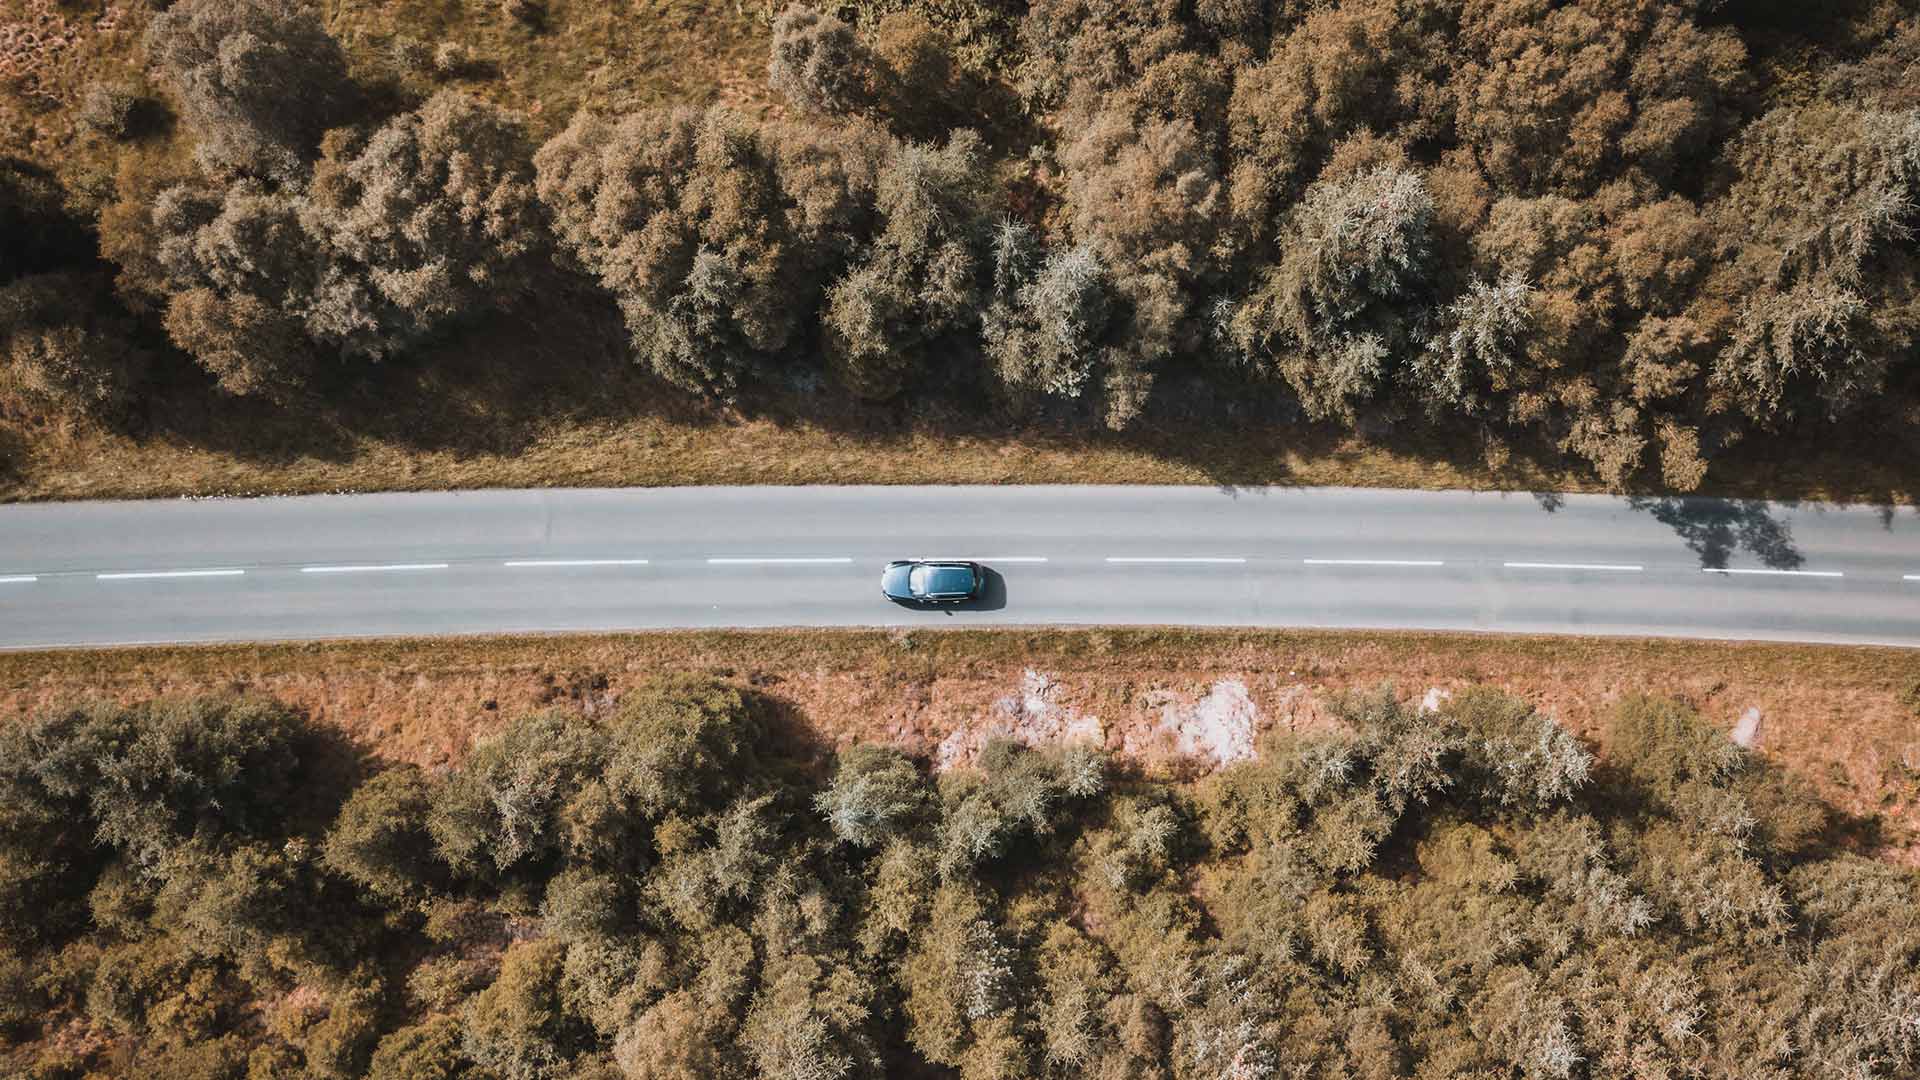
(680, 1038)
(1044, 328)
(160, 775)
(923, 88)
(1477, 346)
(437, 211)
(810, 1018)
(1145, 197)
(916, 280)
(1017, 794)
(1513, 755)
(685, 218)
(1558, 98)
(241, 274)
(1825, 292)
(258, 81)
(960, 983)
(424, 225)
(1344, 299)
(64, 343)
(1817, 338)
(1339, 70)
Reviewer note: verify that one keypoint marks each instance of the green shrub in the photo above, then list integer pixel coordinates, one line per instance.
(877, 794)
(683, 745)
(1666, 746)
(426, 1051)
(583, 903)
(502, 810)
(1513, 755)
(1017, 794)
(159, 776)
(381, 841)
(519, 1028)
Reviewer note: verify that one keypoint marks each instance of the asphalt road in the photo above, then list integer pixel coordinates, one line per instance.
(491, 561)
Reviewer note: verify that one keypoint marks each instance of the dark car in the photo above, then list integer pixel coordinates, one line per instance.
(930, 581)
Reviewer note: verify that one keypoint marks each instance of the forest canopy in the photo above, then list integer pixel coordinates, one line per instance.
(681, 884)
(1637, 231)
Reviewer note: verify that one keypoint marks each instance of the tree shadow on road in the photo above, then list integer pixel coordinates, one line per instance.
(1715, 529)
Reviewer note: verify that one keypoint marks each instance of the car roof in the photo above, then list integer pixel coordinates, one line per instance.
(943, 578)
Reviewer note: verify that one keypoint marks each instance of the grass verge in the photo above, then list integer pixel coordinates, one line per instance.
(1846, 718)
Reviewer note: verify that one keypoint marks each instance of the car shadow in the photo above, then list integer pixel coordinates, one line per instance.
(993, 592)
(992, 597)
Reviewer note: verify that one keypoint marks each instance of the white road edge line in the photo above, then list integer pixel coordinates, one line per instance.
(370, 569)
(134, 575)
(1572, 566)
(16, 579)
(1175, 559)
(530, 563)
(1373, 562)
(1774, 573)
(745, 562)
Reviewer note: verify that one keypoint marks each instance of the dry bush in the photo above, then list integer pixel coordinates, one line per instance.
(712, 232)
(818, 64)
(258, 81)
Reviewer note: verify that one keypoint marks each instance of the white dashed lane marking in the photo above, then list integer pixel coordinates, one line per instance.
(1174, 559)
(537, 563)
(387, 568)
(753, 561)
(136, 575)
(1622, 567)
(18, 579)
(1373, 562)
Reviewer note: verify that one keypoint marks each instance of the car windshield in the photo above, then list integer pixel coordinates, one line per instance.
(938, 580)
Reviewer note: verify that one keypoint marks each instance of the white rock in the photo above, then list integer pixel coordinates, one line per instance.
(1747, 732)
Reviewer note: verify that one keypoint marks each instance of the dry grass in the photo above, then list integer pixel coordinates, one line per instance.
(1847, 718)
(608, 54)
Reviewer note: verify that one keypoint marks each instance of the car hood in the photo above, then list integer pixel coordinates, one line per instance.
(897, 581)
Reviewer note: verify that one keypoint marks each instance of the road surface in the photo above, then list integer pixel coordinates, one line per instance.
(493, 561)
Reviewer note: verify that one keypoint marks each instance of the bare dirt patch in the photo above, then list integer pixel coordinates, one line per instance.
(1171, 701)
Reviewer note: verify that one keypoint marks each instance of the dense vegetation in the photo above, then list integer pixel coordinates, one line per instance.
(1640, 231)
(681, 885)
